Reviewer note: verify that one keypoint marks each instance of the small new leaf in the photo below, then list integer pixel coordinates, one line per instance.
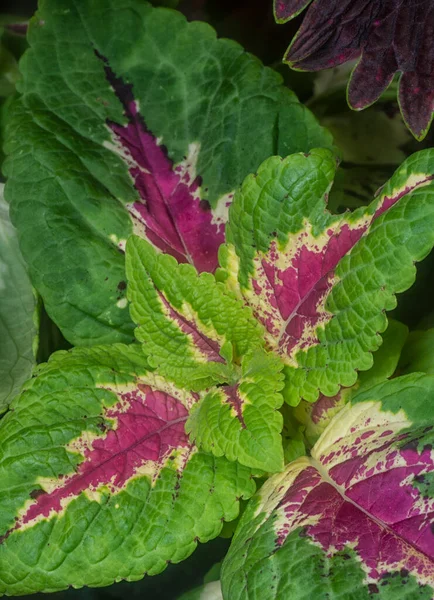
(242, 421)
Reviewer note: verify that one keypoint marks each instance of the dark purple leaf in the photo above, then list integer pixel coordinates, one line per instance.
(390, 36)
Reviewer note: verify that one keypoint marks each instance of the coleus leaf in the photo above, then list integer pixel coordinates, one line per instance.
(198, 335)
(388, 36)
(99, 481)
(18, 313)
(241, 421)
(191, 327)
(356, 517)
(312, 419)
(320, 283)
(147, 124)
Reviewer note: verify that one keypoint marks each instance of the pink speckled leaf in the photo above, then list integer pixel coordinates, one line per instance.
(320, 283)
(97, 440)
(389, 36)
(362, 505)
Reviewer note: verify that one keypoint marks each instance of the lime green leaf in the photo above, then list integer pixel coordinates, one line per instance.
(99, 481)
(192, 328)
(242, 421)
(132, 119)
(18, 317)
(320, 283)
(354, 520)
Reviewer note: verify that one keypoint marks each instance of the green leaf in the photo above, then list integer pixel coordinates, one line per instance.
(18, 316)
(191, 327)
(355, 519)
(242, 421)
(137, 121)
(209, 591)
(320, 283)
(8, 71)
(314, 418)
(418, 353)
(386, 358)
(99, 481)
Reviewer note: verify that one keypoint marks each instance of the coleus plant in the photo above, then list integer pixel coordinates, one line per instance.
(387, 36)
(118, 459)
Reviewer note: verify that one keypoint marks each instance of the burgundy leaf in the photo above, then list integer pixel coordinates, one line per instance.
(389, 35)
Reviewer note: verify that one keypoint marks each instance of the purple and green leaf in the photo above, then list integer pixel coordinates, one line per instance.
(152, 137)
(357, 515)
(99, 481)
(320, 283)
(386, 37)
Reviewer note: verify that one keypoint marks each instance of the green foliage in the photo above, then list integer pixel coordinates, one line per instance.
(18, 313)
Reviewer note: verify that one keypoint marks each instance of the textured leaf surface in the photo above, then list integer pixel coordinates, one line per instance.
(99, 481)
(315, 417)
(242, 421)
(320, 283)
(356, 519)
(389, 36)
(132, 119)
(191, 327)
(18, 329)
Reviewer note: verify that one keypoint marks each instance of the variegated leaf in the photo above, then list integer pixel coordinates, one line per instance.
(191, 327)
(130, 120)
(99, 481)
(354, 520)
(319, 283)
